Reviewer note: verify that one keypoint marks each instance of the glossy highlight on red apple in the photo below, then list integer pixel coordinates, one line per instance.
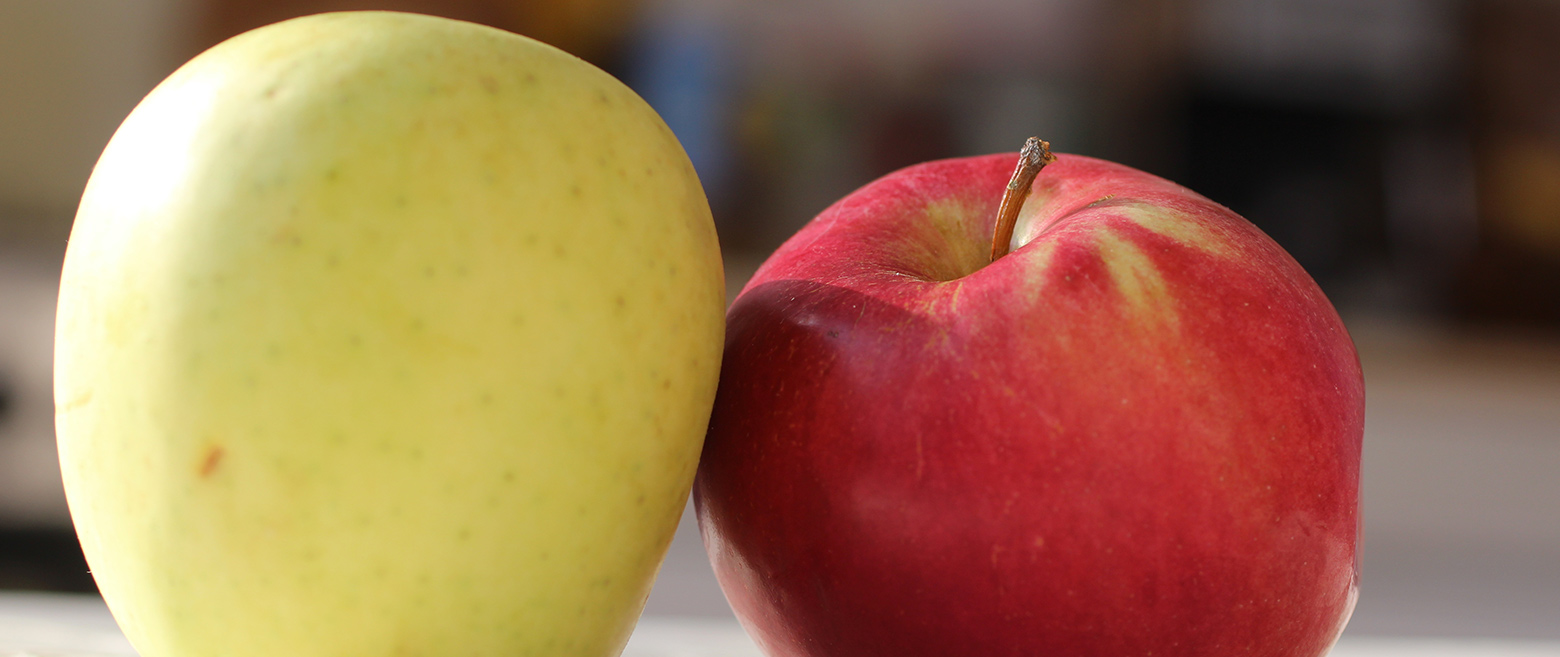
(1137, 433)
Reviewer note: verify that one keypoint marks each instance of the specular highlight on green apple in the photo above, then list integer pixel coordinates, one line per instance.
(382, 334)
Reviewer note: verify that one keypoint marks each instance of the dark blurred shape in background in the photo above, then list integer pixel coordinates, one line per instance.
(1514, 104)
(1406, 152)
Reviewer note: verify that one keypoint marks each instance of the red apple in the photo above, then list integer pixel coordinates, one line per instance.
(1136, 434)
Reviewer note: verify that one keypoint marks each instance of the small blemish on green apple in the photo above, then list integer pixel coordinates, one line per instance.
(210, 461)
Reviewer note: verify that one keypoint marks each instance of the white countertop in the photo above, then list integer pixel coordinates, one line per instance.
(55, 625)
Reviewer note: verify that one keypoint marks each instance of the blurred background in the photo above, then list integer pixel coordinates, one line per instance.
(1406, 152)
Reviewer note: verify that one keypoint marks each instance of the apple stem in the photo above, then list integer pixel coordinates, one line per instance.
(1031, 159)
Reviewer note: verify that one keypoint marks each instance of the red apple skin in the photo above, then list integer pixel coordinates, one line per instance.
(1137, 434)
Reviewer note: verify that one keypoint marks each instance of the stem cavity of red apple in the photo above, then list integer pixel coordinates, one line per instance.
(1031, 159)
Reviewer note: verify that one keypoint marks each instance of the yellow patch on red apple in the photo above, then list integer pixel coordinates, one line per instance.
(959, 252)
(1177, 226)
(1136, 278)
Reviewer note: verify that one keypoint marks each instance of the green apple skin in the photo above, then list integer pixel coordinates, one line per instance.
(381, 334)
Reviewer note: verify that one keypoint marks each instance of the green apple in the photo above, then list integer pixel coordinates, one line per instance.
(382, 334)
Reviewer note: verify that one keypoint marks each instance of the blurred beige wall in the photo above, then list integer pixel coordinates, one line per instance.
(70, 70)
